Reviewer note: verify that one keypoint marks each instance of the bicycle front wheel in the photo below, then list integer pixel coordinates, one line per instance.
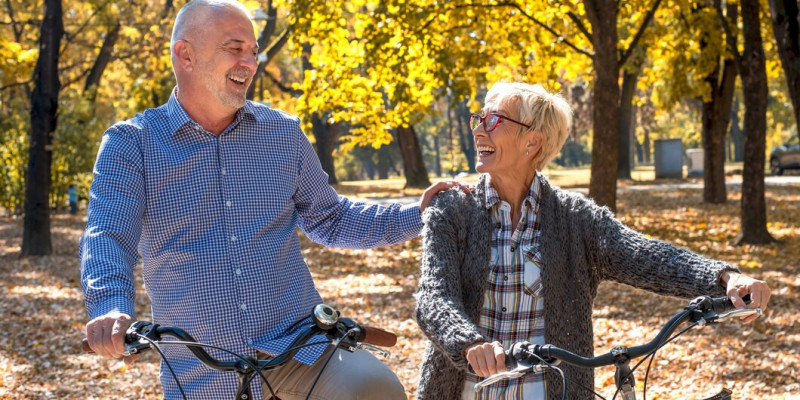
(725, 394)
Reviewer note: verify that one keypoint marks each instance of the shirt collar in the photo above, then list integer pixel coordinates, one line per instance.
(177, 116)
(531, 199)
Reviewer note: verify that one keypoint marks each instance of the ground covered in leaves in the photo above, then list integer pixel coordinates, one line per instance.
(43, 316)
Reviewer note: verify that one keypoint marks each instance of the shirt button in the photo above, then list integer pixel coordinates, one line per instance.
(504, 309)
(238, 271)
(513, 249)
(228, 203)
(223, 171)
(233, 238)
(243, 306)
(505, 277)
(250, 341)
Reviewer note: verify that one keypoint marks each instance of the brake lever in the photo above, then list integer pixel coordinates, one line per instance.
(739, 312)
(374, 349)
(134, 342)
(520, 370)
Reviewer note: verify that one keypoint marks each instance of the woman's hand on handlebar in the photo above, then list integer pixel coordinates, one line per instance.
(738, 285)
(106, 335)
(486, 359)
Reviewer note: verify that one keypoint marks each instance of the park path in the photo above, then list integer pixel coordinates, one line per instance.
(734, 183)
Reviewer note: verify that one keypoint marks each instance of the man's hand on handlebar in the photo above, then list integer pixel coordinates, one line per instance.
(486, 359)
(738, 285)
(106, 335)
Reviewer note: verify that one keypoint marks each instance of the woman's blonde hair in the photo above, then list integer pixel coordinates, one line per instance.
(545, 112)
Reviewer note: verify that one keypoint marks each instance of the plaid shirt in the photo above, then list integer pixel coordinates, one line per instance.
(513, 306)
(214, 219)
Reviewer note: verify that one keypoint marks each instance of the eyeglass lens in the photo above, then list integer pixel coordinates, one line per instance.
(489, 122)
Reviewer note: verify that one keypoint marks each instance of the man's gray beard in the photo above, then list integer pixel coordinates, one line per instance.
(233, 101)
(229, 99)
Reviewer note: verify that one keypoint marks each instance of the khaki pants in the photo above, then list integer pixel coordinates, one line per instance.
(348, 376)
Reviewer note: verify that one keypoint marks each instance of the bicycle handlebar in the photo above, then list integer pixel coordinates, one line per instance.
(523, 357)
(326, 321)
(701, 310)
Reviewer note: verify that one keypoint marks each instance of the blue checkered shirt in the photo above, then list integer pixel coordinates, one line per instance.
(214, 220)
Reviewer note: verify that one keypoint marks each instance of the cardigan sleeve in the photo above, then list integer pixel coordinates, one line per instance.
(627, 256)
(440, 310)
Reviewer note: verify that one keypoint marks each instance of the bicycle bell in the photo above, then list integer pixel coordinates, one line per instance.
(324, 316)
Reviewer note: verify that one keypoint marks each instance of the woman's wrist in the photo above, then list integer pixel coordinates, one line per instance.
(726, 277)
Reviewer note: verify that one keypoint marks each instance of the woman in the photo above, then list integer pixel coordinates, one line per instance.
(520, 259)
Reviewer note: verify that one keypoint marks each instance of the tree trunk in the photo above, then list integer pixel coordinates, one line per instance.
(365, 156)
(737, 136)
(465, 134)
(754, 83)
(384, 161)
(327, 136)
(44, 106)
(716, 113)
(715, 116)
(629, 79)
(786, 26)
(268, 51)
(438, 166)
(605, 102)
(101, 62)
(413, 165)
(262, 65)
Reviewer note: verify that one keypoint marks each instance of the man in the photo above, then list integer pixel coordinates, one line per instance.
(209, 189)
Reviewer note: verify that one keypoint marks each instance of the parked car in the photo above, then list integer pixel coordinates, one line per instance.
(785, 157)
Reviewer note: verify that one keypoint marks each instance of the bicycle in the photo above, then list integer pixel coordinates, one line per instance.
(523, 358)
(344, 333)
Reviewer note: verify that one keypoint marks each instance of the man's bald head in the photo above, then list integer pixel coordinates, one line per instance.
(193, 18)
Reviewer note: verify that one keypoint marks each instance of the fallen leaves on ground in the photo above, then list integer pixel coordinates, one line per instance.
(42, 308)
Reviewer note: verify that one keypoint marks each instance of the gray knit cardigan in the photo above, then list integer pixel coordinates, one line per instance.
(582, 244)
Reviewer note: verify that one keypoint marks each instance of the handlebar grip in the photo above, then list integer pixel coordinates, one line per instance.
(85, 346)
(378, 337)
(721, 305)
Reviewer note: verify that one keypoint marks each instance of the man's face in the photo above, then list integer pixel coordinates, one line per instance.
(226, 58)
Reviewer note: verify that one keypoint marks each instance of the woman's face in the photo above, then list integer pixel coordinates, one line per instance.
(502, 150)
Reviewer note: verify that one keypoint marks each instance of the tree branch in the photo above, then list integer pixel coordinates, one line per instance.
(730, 39)
(278, 44)
(282, 86)
(579, 24)
(626, 54)
(269, 28)
(14, 25)
(512, 4)
(83, 26)
(558, 36)
(271, 50)
(168, 6)
(15, 84)
(105, 55)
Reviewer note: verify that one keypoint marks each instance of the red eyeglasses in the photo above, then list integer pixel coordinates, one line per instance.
(490, 121)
